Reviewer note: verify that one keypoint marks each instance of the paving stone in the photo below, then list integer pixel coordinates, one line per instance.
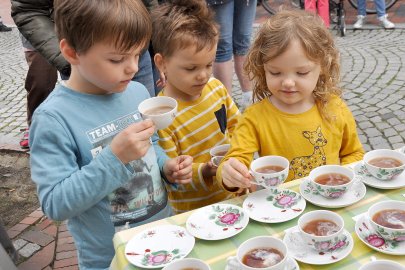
(51, 230)
(30, 220)
(19, 243)
(66, 255)
(40, 260)
(65, 247)
(29, 249)
(38, 237)
(65, 262)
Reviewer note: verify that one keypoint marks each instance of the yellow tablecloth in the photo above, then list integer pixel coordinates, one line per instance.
(215, 253)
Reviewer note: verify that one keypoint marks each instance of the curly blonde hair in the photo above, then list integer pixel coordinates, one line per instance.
(274, 37)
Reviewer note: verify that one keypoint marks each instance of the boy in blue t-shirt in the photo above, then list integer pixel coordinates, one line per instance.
(91, 154)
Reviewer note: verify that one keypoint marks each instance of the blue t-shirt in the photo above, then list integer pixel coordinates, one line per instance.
(79, 178)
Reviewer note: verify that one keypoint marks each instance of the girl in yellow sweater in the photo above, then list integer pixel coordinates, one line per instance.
(298, 112)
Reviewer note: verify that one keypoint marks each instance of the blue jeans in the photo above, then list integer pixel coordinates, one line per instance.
(144, 74)
(379, 6)
(235, 19)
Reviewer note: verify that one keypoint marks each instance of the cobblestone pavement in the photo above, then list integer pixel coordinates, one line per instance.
(373, 76)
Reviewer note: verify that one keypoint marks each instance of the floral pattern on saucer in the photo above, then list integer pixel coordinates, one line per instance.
(373, 239)
(153, 248)
(274, 205)
(351, 196)
(302, 252)
(363, 175)
(218, 221)
(290, 265)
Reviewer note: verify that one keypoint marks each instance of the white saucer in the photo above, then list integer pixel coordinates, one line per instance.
(354, 194)
(362, 174)
(291, 265)
(300, 251)
(153, 248)
(371, 238)
(274, 205)
(217, 221)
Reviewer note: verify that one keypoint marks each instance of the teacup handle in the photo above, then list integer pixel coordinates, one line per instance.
(232, 263)
(253, 181)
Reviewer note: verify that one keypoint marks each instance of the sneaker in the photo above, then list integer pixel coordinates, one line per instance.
(4, 28)
(385, 22)
(360, 21)
(24, 143)
(246, 99)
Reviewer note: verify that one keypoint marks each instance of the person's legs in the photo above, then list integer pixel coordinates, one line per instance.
(323, 11)
(145, 74)
(223, 69)
(361, 14)
(382, 17)
(242, 32)
(40, 81)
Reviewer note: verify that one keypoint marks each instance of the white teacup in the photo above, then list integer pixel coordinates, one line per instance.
(387, 233)
(382, 265)
(161, 110)
(273, 179)
(255, 243)
(384, 174)
(219, 150)
(216, 160)
(331, 191)
(187, 263)
(319, 242)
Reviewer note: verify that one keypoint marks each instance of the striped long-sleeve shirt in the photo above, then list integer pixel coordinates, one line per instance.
(199, 125)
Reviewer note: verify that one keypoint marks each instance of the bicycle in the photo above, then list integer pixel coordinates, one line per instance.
(370, 6)
(336, 10)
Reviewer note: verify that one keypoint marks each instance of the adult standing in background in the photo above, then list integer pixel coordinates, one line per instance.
(34, 19)
(235, 18)
(382, 16)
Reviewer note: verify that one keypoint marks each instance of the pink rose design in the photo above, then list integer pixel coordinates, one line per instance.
(400, 238)
(284, 200)
(157, 259)
(375, 240)
(336, 194)
(229, 218)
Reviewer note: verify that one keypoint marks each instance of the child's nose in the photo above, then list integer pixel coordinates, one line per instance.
(288, 83)
(132, 66)
(203, 75)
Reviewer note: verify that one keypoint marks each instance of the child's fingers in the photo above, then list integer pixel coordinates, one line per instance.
(185, 161)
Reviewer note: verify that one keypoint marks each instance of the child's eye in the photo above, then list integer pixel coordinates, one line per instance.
(190, 68)
(116, 61)
(302, 73)
(274, 73)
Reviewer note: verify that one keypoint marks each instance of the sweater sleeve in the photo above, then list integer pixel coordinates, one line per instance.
(168, 143)
(65, 190)
(232, 116)
(351, 149)
(34, 20)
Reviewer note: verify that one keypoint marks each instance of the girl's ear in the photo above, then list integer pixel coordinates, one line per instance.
(159, 62)
(68, 52)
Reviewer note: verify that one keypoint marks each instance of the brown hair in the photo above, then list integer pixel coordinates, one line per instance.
(126, 23)
(178, 24)
(274, 37)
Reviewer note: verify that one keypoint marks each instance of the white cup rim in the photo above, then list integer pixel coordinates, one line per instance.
(399, 155)
(142, 106)
(375, 205)
(312, 178)
(301, 218)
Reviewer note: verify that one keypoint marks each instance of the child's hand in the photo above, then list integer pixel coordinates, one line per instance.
(179, 170)
(235, 174)
(133, 142)
(208, 170)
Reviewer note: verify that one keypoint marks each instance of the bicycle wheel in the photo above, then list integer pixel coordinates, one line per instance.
(267, 7)
(370, 6)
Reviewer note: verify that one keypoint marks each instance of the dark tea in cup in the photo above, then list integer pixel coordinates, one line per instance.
(262, 257)
(269, 169)
(390, 218)
(385, 162)
(332, 179)
(321, 227)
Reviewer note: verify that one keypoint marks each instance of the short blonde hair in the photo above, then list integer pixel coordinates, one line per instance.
(179, 24)
(274, 37)
(125, 23)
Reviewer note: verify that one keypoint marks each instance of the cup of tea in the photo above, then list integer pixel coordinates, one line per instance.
(387, 218)
(219, 150)
(331, 181)
(384, 164)
(382, 264)
(187, 264)
(161, 110)
(269, 171)
(216, 160)
(261, 252)
(321, 229)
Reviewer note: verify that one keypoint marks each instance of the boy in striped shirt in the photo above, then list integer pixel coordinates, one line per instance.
(185, 38)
